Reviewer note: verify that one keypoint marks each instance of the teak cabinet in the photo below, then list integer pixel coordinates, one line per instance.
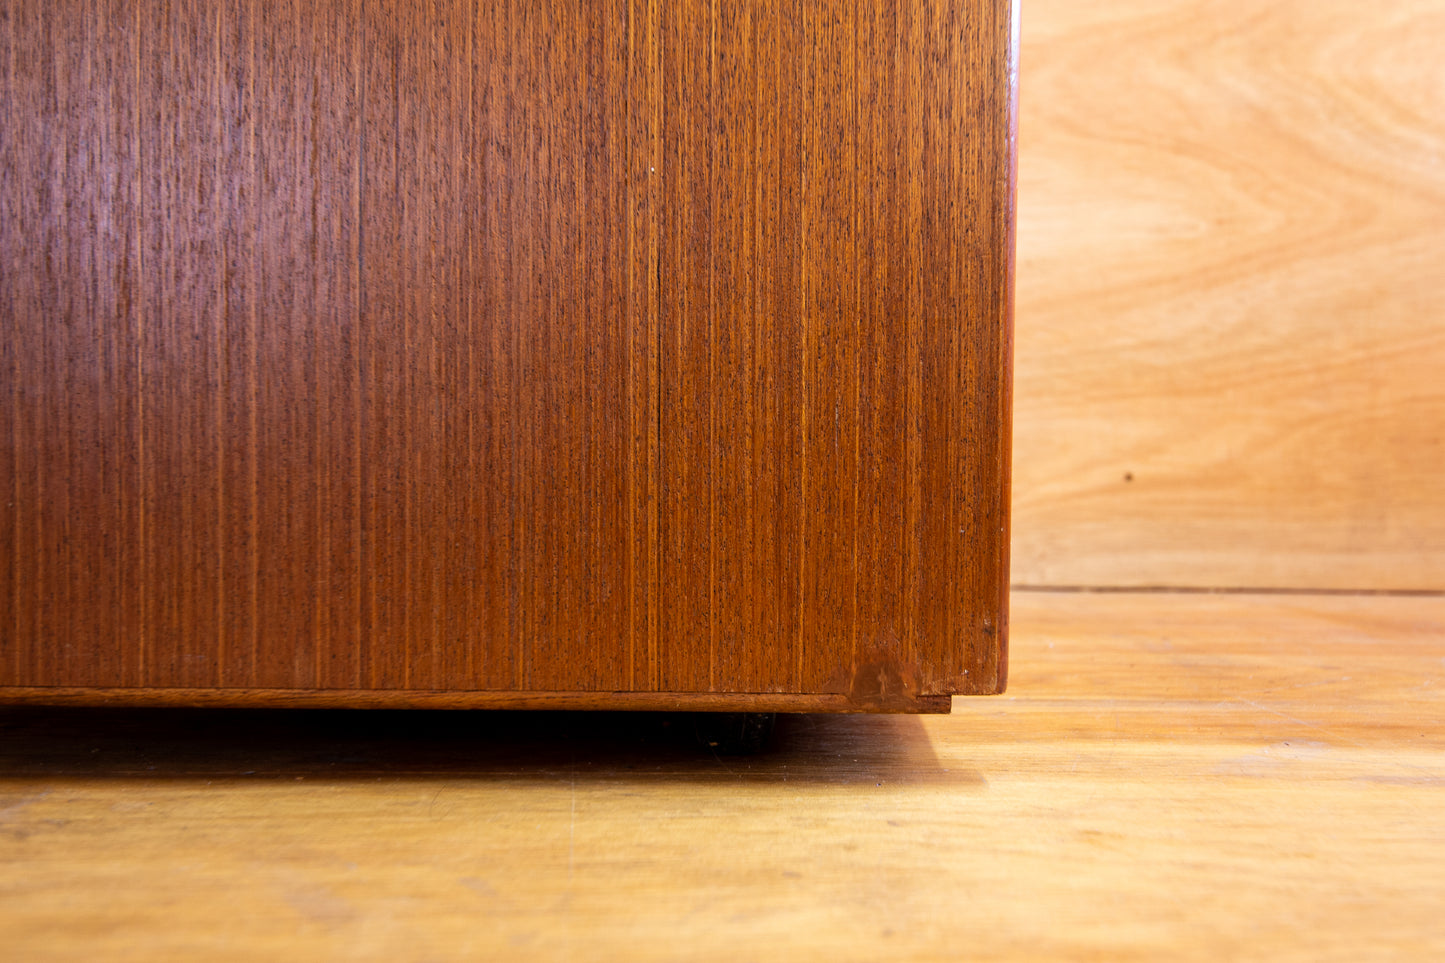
(597, 354)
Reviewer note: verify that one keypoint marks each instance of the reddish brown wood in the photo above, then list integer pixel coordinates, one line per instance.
(506, 348)
(150, 696)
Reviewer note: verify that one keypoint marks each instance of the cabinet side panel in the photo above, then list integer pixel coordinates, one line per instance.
(889, 376)
(966, 253)
(834, 298)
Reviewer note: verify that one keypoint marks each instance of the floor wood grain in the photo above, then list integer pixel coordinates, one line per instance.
(1231, 320)
(1182, 777)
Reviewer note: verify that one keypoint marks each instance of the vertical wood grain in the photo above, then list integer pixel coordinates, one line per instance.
(734, 231)
(685, 526)
(22, 149)
(642, 336)
(493, 399)
(487, 388)
(831, 325)
(887, 121)
(385, 432)
(778, 390)
(939, 356)
(334, 152)
(287, 485)
(436, 345)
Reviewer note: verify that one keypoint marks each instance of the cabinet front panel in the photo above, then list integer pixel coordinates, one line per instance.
(589, 347)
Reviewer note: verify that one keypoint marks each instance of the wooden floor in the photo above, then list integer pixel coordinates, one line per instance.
(1169, 776)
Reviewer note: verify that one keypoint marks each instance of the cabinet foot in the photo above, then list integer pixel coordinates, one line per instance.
(733, 733)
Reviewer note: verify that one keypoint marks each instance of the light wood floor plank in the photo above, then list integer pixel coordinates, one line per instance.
(1182, 777)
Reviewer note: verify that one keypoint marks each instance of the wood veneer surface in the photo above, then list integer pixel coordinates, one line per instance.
(537, 347)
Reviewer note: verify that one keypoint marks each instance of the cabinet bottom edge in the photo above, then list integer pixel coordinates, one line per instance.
(478, 699)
